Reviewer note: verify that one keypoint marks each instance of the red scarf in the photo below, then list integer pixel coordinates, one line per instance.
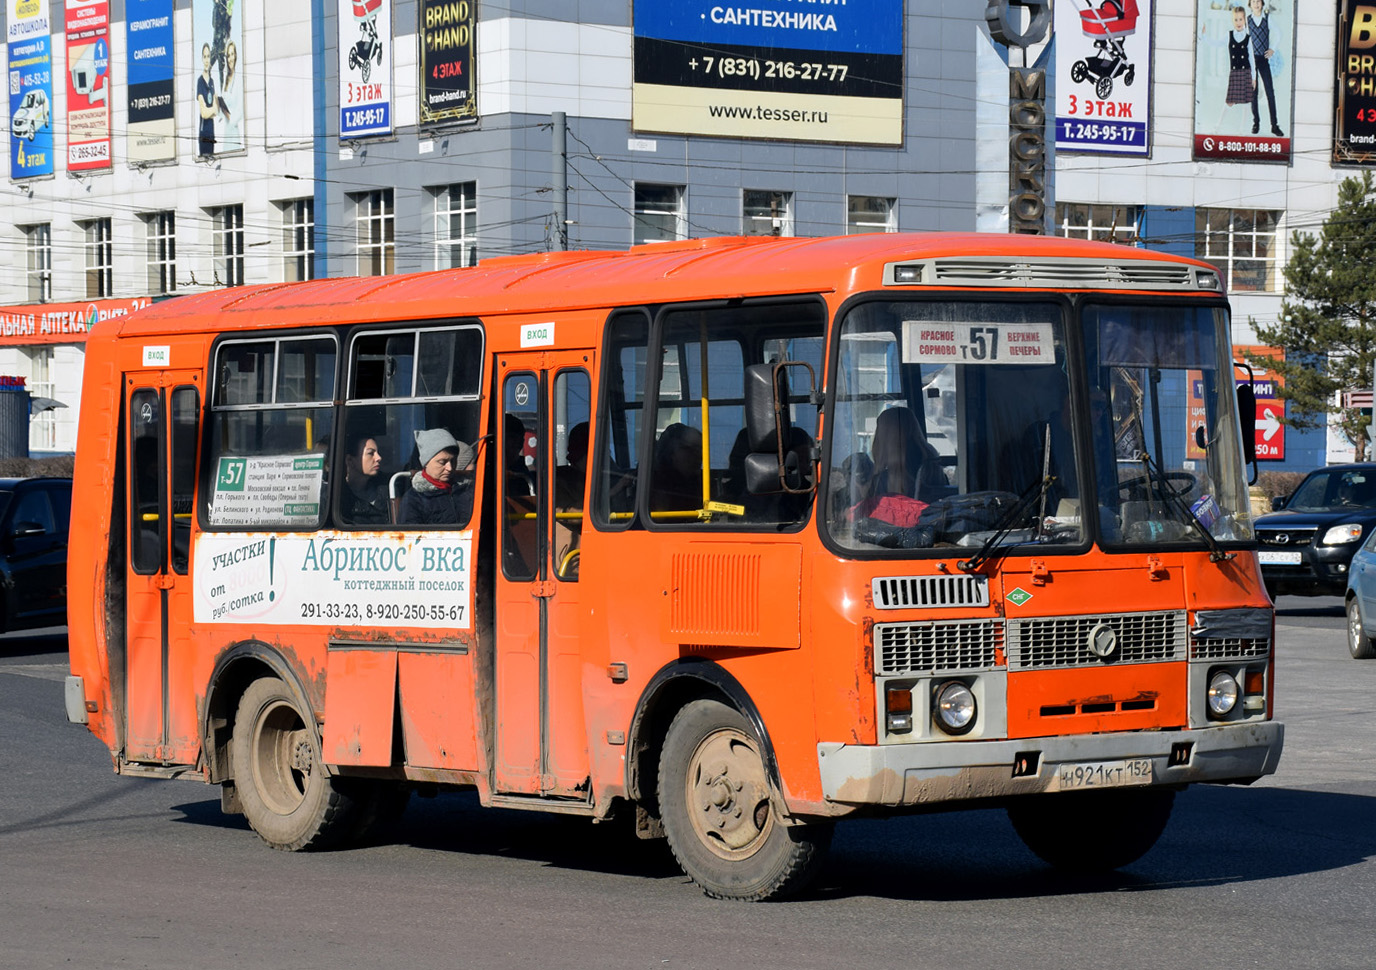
(443, 486)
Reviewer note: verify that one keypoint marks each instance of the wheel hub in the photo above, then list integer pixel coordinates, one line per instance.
(729, 794)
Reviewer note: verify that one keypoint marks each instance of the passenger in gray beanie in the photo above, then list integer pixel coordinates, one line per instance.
(438, 495)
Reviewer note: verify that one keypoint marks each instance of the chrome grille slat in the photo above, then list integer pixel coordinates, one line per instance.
(1062, 641)
(948, 645)
(1229, 648)
(929, 592)
(1127, 273)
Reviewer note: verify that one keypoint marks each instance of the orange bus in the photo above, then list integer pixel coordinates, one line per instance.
(740, 536)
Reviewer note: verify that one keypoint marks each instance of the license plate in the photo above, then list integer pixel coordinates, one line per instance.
(1271, 557)
(1102, 774)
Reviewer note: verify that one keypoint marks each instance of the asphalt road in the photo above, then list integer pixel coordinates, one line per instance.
(101, 871)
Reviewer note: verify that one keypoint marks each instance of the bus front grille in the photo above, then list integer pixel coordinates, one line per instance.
(1084, 641)
(950, 645)
(929, 592)
(1229, 648)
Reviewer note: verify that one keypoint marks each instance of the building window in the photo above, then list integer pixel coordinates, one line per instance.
(766, 213)
(43, 427)
(456, 225)
(229, 244)
(376, 233)
(161, 230)
(39, 243)
(298, 240)
(1241, 243)
(870, 213)
(1102, 223)
(100, 258)
(659, 214)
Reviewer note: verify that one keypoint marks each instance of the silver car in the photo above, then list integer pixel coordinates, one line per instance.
(31, 115)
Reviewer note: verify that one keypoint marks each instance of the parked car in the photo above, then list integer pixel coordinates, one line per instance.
(1361, 601)
(1306, 547)
(35, 514)
(32, 115)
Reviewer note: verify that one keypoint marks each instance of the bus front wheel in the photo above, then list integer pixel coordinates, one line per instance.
(714, 801)
(286, 795)
(1092, 831)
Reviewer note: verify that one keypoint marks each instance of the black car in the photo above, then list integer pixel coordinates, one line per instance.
(35, 514)
(1307, 546)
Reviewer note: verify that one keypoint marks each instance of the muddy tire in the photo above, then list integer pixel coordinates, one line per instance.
(715, 803)
(285, 794)
(1094, 831)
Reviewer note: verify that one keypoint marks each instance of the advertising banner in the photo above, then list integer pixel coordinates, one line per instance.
(60, 323)
(152, 118)
(334, 579)
(448, 87)
(798, 70)
(365, 88)
(29, 37)
(217, 40)
(1266, 385)
(88, 85)
(1103, 77)
(1244, 80)
(1354, 96)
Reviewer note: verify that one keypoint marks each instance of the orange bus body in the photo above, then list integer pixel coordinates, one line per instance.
(572, 695)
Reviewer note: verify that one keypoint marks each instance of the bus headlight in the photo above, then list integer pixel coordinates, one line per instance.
(954, 707)
(1223, 694)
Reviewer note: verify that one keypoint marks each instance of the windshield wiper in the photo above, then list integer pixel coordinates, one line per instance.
(1004, 525)
(1174, 499)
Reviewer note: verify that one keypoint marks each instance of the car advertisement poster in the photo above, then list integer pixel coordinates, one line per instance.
(88, 86)
(29, 37)
(1354, 96)
(1244, 80)
(798, 70)
(152, 133)
(217, 38)
(334, 579)
(448, 87)
(365, 68)
(1103, 76)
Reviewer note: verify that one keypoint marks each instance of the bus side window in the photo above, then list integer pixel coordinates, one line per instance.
(615, 454)
(401, 382)
(272, 417)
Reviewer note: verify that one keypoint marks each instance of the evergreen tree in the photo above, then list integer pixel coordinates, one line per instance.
(1327, 322)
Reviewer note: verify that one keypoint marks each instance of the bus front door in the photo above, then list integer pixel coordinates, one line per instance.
(161, 421)
(541, 739)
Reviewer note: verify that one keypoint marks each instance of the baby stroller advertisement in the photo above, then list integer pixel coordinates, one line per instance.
(1244, 79)
(1103, 76)
(365, 68)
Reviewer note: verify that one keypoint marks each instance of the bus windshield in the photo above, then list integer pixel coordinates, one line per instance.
(957, 424)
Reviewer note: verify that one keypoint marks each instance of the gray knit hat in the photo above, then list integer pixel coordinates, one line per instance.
(432, 441)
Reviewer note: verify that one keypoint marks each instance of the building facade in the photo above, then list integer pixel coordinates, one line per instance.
(162, 147)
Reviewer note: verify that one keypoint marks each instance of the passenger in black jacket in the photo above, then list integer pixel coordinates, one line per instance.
(439, 495)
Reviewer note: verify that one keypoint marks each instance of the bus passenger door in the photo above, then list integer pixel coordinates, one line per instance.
(541, 736)
(161, 422)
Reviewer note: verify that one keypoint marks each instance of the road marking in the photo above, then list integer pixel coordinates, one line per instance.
(56, 672)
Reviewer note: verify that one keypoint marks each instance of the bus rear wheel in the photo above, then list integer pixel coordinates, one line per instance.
(1093, 831)
(714, 800)
(286, 795)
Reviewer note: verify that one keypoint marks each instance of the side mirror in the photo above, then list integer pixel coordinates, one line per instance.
(777, 460)
(1247, 417)
(1278, 503)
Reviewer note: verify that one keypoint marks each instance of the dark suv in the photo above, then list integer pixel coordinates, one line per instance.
(1307, 546)
(35, 514)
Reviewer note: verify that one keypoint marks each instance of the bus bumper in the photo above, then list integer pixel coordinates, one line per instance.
(928, 774)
